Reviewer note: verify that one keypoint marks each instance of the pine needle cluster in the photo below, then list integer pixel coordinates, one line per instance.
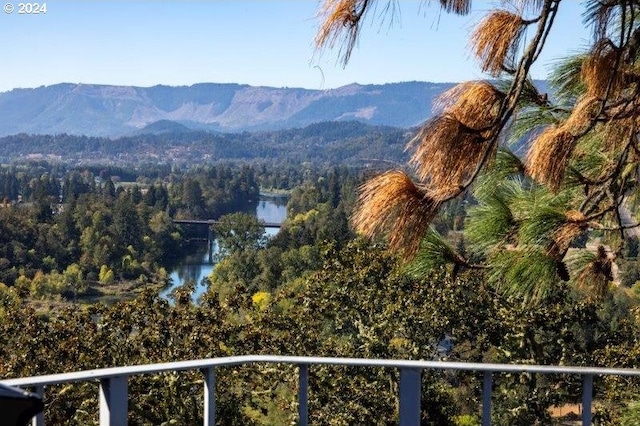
(496, 39)
(341, 21)
(549, 156)
(391, 204)
(460, 7)
(600, 72)
(446, 152)
(581, 162)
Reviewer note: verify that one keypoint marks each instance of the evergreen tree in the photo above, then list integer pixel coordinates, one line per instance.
(579, 174)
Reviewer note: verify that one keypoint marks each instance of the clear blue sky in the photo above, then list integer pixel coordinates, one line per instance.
(267, 43)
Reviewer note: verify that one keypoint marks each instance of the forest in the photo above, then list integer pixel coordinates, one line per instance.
(343, 142)
(315, 289)
(70, 231)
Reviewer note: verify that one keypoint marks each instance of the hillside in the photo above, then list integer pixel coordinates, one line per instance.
(113, 111)
(348, 142)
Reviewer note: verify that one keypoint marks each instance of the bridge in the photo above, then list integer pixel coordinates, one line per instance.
(210, 236)
(210, 222)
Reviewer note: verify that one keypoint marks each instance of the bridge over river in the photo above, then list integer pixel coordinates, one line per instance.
(210, 222)
(198, 264)
(210, 234)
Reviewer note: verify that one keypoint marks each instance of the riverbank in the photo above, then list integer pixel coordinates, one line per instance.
(96, 292)
(196, 265)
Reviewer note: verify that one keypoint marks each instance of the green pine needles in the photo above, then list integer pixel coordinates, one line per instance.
(550, 174)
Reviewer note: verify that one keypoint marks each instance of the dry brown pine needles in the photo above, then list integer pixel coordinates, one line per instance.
(340, 18)
(460, 7)
(446, 152)
(576, 224)
(474, 103)
(599, 73)
(582, 115)
(549, 156)
(392, 204)
(496, 39)
(595, 277)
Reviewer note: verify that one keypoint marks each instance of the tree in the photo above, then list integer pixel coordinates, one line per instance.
(109, 188)
(579, 174)
(237, 232)
(74, 280)
(127, 229)
(192, 196)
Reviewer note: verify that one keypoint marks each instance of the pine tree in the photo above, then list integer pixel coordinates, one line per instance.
(579, 175)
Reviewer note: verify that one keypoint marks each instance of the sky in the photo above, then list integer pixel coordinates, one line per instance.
(261, 43)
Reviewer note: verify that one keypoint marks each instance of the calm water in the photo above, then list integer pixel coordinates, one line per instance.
(196, 267)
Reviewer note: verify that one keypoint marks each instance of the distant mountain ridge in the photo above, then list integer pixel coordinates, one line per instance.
(112, 111)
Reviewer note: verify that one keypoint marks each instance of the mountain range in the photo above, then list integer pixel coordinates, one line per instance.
(114, 111)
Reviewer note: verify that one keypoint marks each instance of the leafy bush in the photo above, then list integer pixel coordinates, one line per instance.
(631, 415)
(106, 275)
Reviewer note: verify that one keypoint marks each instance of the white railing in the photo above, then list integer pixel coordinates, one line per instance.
(114, 390)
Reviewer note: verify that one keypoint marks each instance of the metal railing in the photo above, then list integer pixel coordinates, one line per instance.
(114, 395)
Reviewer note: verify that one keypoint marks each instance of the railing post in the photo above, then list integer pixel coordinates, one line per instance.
(410, 388)
(38, 419)
(587, 396)
(209, 396)
(114, 396)
(486, 398)
(303, 394)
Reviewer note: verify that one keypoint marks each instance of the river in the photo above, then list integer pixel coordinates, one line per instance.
(195, 266)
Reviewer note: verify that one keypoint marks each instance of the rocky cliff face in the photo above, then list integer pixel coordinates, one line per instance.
(97, 110)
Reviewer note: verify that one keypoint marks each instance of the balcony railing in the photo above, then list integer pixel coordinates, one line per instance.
(114, 391)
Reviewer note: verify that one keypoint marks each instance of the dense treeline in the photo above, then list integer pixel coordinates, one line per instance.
(211, 191)
(358, 302)
(314, 289)
(318, 212)
(331, 143)
(62, 231)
